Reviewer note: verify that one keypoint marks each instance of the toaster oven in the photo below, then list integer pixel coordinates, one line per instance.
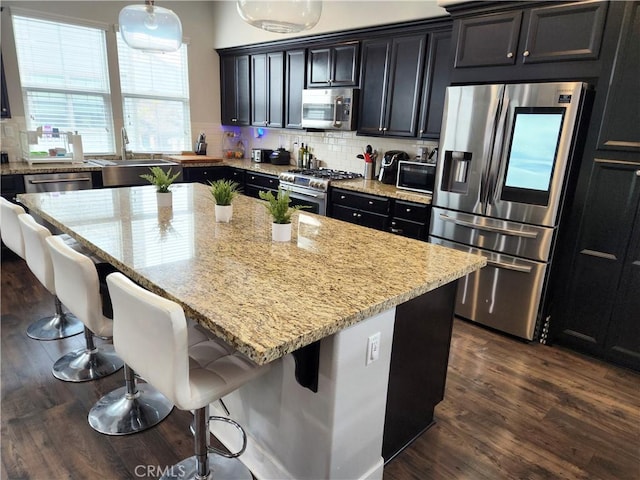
(416, 176)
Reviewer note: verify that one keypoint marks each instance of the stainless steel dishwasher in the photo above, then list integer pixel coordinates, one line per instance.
(57, 182)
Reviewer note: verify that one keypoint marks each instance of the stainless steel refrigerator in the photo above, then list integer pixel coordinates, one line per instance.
(505, 153)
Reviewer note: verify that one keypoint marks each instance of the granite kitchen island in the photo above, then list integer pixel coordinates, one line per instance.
(310, 307)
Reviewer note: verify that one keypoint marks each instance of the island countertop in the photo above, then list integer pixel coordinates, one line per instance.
(264, 298)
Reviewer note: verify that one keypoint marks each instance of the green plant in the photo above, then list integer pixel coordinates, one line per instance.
(278, 206)
(224, 191)
(160, 178)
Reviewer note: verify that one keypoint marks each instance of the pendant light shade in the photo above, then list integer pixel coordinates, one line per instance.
(280, 16)
(150, 28)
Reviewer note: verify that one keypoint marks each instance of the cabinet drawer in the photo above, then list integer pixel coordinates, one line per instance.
(253, 191)
(370, 203)
(409, 229)
(261, 180)
(345, 214)
(204, 174)
(360, 217)
(415, 212)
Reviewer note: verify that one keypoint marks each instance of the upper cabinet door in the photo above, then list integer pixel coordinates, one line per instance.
(376, 55)
(564, 32)
(333, 66)
(621, 120)
(294, 84)
(436, 80)
(488, 40)
(234, 90)
(275, 83)
(259, 90)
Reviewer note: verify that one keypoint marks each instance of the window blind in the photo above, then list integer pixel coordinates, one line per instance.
(64, 76)
(155, 99)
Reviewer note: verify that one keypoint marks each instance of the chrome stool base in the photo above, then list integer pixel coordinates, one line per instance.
(129, 409)
(55, 327)
(60, 325)
(84, 365)
(220, 468)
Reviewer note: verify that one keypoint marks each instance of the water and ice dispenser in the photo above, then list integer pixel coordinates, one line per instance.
(455, 173)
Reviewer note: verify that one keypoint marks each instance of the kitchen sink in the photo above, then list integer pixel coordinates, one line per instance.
(126, 173)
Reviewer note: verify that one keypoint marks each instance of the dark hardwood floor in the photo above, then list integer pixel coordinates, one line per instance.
(511, 410)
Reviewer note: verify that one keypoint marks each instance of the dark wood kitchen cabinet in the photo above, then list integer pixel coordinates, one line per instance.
(360, 208)
(4, 103)
(255, 182)
(294, 81)
(436, 80)
(234, 90)
(550, 33)
(12, 185)
(204, 174)
(267, 89)
(392, 70)
(333, 65)
(621, 121)
(410, 219)
(598, 316)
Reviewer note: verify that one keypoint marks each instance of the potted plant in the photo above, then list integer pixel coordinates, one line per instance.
(278, 207)
(224, 191)
(162, 180)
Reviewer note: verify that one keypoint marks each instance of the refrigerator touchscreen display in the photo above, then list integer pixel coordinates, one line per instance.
(532, 154)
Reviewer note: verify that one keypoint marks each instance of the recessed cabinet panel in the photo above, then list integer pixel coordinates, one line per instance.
(488, 40)
(436, 80)
(620, 129)
(333, 66)
(259, 90)
(294, 84)
(275, 84)
(564, 32)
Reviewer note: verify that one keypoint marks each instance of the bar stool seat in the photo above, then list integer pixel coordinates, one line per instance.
(78, 286)
(10, 230)
(62, 324)
(151, 334)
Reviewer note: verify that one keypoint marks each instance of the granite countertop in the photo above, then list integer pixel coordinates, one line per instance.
(266, 299)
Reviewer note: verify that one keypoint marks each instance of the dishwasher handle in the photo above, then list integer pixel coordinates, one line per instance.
(60, 180)
(489, 228)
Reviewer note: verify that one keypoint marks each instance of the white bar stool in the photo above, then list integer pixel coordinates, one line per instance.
(78, 286)
(150, 333)
(10, 231)
(62, 324)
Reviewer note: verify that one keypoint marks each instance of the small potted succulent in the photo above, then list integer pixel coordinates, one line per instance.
(162, 180)
(224, 191)
(280, 210)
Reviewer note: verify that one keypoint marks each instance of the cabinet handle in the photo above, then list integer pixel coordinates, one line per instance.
(421, 132)
(370, 202)
(234, 119)
(359, 215)
(379, 129)
(526, 53)
(355, 214)
(384, 129)
(637, 173)
(270, 181)
(342, 197)
(408, 210)
(396, 230)
(510, 55)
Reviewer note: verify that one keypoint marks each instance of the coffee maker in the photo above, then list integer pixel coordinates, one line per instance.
(389, 166)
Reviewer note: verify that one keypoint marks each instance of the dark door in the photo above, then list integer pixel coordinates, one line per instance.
(235, 93)
(345, 65)
(319, 67)
(294, 84)
(259, 90)
(488, 40)
(275, 77)
(436, 80)
(375, 58)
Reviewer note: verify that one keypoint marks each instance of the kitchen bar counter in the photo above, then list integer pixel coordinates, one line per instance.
(314, 305)
(265, 299)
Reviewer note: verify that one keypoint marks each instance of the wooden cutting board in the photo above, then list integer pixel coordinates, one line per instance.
(194, 159)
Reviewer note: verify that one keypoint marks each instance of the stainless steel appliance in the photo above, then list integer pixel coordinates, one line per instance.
(57, 182)
(280, 157)
(261, 155)
(416, 176)
(309, 187)
(126, 173)
(329, 109)
(389, 166)
(201, 144)
(505, 158)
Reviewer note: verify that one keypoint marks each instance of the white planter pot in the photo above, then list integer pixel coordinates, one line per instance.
(281, 232)
(224, 213)
(164, 199)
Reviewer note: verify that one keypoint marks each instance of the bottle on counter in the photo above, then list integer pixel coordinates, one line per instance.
(300, 162)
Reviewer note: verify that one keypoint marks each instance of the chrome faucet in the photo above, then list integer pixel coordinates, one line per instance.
(124, 139)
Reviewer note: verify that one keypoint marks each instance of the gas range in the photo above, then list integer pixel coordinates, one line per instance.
(316, 178)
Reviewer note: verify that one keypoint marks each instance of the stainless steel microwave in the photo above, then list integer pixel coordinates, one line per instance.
(416, 176)
(329, 108)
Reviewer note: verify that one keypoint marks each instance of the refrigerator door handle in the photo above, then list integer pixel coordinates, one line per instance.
(488, 228)
(488, 154)
(498, 148)
(509, 266)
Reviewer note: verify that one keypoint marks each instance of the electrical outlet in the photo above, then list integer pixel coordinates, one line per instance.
(373, 348)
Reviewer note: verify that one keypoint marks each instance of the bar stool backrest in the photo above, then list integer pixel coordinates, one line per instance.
(78, 286)
(36, 251)
(10, 230)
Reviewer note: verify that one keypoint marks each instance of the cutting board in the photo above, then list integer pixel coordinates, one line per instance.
(194, 159)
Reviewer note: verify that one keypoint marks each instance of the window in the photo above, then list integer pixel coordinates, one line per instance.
(65, 81)
(155, 99)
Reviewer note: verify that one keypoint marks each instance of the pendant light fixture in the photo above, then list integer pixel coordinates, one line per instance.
(280, 16)
(150, 28)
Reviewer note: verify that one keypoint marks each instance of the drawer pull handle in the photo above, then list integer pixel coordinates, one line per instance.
(510, 55)
(526, 53)
(60, 180)
(637, 173)
(408, 210)
(342, 197)
(396, 230)
(370, 202)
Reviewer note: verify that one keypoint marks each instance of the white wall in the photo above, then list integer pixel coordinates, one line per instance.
(209, 25)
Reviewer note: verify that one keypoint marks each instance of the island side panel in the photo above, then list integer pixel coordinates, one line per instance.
(335, 433)
(418, 372)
